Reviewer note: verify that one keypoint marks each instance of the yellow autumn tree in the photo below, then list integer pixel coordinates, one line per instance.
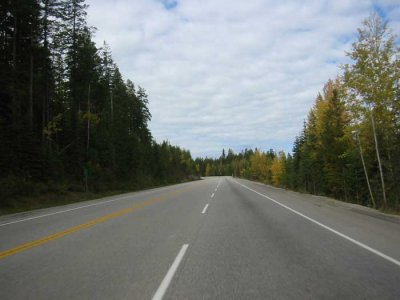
(278, 168)
(208, 170)
(259, 166)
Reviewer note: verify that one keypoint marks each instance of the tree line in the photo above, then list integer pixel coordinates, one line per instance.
(349, 147)
(68, 120)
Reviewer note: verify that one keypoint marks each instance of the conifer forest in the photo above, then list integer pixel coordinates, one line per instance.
(68, 119)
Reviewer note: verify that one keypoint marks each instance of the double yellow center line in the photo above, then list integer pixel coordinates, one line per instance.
(60, 234)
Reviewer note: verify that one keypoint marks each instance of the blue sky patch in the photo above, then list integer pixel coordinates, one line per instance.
(169, 4)
(379, 10)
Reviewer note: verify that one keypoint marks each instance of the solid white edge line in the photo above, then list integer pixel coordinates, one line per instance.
(366, 247)
(80, 207)
(171, 272)
(212, 195)
(66, 210)
(205, 208)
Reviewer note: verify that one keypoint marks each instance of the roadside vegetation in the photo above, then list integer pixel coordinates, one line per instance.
(349, 147)
(70, 126)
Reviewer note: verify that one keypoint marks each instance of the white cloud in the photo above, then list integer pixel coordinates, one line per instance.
(230, 73)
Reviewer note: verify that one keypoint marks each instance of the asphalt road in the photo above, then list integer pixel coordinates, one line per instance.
(218, 238)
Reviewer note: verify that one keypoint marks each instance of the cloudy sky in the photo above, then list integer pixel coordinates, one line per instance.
(231, 74)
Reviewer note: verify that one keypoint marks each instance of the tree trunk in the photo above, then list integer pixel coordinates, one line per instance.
(30, 109)
(379, 160)
(113, 155)
(365, 171)
(46, 72)
(15, 108)
(88, 124)
(112, 108)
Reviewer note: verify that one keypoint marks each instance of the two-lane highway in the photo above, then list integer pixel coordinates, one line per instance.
(218, 238)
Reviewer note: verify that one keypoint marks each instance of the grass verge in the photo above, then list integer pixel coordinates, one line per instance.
(56, 198)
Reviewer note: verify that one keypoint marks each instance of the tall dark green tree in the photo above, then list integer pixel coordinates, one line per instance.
(67, 117)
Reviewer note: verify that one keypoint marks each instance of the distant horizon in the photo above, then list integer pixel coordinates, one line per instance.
(220, 75)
